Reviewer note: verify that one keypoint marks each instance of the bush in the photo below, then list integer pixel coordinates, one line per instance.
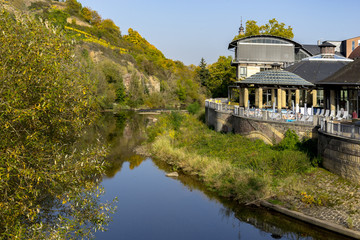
(194, 108)
(291, 141)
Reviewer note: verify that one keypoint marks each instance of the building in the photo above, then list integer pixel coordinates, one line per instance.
(317, 68)
(258, 53)
(349, 45)
(271, 87)
(342, 89)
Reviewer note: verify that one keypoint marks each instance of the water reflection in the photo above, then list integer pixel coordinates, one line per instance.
(152, 206)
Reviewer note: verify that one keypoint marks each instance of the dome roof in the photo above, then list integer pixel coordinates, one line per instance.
(276, 77)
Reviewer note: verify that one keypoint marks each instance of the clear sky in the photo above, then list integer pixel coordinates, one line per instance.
(188, 30)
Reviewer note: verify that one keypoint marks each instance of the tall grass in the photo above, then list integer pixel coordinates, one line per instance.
(230, 164)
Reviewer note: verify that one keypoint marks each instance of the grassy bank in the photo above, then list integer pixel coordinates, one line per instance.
(229, 164)
(234, 166)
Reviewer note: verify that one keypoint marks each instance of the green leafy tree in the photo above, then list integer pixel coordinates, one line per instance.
(203, 73)
(48, 181)
(272, 28)
(86, 14)
(252, 28)
(110, 26)
(135, 95)
(221, 76)
(95, 18)
(73, 7)
(277, 29)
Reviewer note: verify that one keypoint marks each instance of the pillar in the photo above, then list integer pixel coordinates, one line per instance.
(256, 97)
(241, 97)
(314, 98)
(260, 98)
(332, 100)
(303, 97)
(279, 99)
(272, 96)
(297, 97)
(289, 99)
(246, 97)
(283, 98)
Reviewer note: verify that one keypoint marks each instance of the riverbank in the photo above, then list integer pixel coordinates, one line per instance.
(248, 171)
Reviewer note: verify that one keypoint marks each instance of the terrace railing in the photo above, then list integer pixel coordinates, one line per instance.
(224, 106)
(347, 130)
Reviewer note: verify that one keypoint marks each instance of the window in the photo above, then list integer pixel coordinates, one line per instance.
(353, 45)
(243, 71)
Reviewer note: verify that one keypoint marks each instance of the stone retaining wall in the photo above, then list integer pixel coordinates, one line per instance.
(269, 131)
(340, 155)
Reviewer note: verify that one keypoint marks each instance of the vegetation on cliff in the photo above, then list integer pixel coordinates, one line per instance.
(144, 76)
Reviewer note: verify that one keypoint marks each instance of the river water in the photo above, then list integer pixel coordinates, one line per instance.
(153, 206)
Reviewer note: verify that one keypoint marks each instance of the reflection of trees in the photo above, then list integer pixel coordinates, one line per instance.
(122, 131)
(135, 161)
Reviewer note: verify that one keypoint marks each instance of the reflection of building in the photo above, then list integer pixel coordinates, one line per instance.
(257, 53)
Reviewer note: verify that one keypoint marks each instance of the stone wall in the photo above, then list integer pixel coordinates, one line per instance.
(270, 132)
(340, 155)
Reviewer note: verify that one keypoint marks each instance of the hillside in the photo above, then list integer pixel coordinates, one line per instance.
(129, 71)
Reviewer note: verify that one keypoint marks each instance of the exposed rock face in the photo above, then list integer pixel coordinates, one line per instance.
(153, 84)
(173, 174)
(78, 21)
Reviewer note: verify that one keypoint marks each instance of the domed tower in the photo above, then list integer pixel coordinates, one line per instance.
(241, 29)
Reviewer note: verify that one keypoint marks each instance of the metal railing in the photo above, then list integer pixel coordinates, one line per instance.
(347, 130)
(223, 105)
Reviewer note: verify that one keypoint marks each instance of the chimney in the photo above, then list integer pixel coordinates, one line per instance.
(327, 48)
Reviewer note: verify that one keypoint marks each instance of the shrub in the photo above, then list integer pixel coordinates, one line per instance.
(194, 108)
(290, 141)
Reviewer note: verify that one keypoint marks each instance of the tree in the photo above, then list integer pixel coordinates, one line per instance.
(252, 28)
(273, 28)
(203, 73)
(222, 74)
(110, 26)
(277, 29)
(95, 18)
(48, 181)
(73, 7)
(86, 14)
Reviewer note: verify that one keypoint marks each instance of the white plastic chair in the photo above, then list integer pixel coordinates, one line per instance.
(327, 112)
(332, 114)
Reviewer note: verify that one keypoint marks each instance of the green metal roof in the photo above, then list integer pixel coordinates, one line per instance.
(276, 77)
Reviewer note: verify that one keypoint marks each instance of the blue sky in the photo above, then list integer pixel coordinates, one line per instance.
(188, 30)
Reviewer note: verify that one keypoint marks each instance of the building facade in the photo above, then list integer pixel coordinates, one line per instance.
(258, 53)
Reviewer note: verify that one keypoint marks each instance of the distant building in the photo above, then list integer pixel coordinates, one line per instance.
(349, 45)
(343, 48)
(258, 53)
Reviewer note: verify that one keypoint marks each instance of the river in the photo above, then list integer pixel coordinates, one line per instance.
(153, 206)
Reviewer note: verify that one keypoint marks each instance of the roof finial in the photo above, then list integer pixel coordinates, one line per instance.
(241, 29)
